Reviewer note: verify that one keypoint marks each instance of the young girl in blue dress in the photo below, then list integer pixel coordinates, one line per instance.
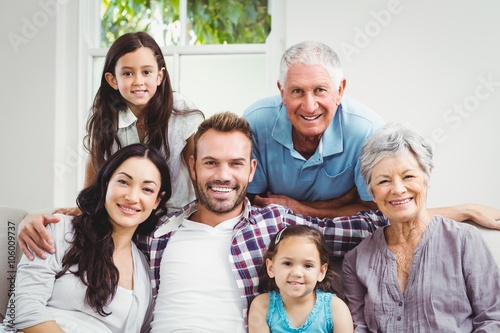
(296, 280)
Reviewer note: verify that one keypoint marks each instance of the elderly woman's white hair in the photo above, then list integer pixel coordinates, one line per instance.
(389, 141)
(311, 53)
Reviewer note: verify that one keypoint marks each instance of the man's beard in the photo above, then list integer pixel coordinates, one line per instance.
(219, 206)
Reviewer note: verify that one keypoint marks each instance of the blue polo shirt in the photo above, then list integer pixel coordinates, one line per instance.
(333, 169)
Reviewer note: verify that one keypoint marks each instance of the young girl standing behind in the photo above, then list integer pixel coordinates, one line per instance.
(135, 103)
(297, 283)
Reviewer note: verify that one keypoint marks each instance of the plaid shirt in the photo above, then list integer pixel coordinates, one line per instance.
(253, 232)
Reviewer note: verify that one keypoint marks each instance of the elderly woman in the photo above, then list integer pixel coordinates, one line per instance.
(421, 273)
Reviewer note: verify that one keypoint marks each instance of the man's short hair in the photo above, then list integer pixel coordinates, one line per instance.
(311, 53)
(225, 122)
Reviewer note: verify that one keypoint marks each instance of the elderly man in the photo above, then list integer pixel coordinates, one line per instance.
(307, 141)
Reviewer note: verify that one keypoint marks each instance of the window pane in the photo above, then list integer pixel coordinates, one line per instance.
(155, 17)
(218, 83)
(207, 21)
(228, 22)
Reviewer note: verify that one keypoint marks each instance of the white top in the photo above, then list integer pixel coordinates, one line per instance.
(180, 128)
(40, 297)
(198, 291)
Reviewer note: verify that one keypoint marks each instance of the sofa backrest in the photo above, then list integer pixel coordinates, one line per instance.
(10, 253)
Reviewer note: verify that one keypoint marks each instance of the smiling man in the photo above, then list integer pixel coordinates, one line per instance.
(221, 183)
(308, 139)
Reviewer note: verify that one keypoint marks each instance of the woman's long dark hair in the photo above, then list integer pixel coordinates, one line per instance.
(92, 247)
(102, 124)
(267, 283)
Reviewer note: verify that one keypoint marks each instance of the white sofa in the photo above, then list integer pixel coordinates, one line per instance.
(11, 217)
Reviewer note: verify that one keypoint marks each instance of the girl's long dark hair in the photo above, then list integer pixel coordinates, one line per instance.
(102, 124)
(90, 256)
(267, 284)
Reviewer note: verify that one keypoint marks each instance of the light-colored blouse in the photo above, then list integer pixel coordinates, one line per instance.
(39, 297)
(180, 128)
(453, 285)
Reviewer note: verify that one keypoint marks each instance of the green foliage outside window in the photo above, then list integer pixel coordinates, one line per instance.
(209, 21)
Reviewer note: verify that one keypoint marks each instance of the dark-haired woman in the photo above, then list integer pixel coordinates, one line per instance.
(97, 280)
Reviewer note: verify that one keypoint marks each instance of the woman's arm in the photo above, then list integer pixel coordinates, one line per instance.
(35, 285)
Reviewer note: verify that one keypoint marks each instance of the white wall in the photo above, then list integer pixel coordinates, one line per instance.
(38, 93)
(418, 62)
(411, 61)
(28, 106)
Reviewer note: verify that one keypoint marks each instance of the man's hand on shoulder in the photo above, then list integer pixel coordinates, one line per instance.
(33, 235)
(486, 216)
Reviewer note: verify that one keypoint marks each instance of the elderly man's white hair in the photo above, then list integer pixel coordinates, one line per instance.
(311, 53)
